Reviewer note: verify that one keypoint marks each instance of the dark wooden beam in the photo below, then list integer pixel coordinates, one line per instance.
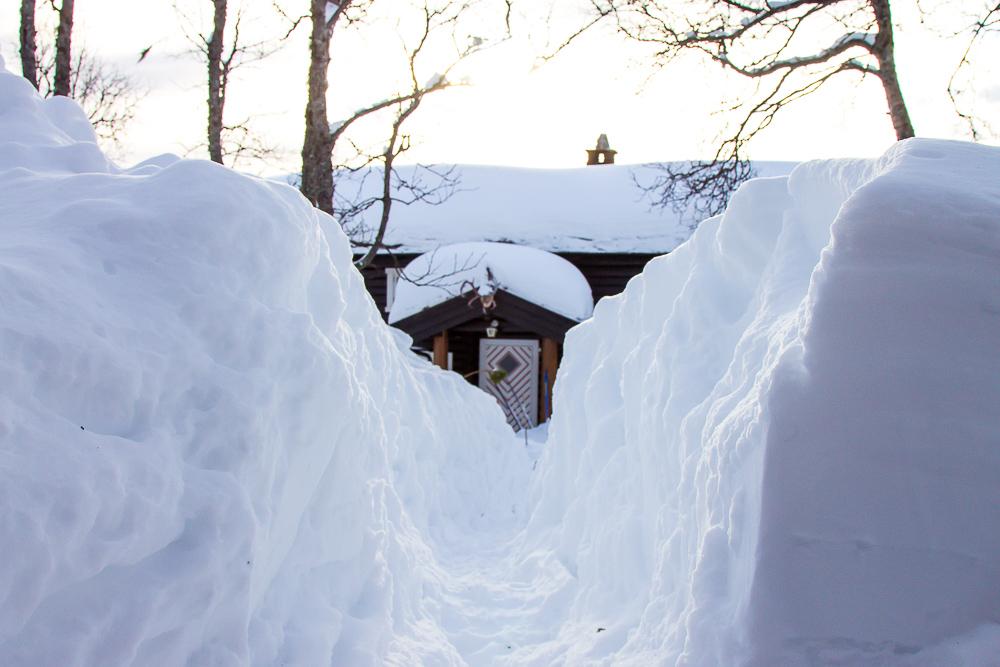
(550, 363)
(447, 315)
(518, 314)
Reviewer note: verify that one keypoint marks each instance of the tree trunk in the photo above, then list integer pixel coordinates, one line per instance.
(62, 84)
(885, 54)
(216, 82)
(317, 158)
(29, 47)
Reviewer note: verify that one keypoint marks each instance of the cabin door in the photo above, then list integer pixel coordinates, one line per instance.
(508, 369)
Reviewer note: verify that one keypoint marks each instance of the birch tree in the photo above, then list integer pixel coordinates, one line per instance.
(29, 42)
(218, 74)
(63, 65)
(317, 143)
(224, 48)
(774, 43)
(960, 83)
(62, 82)
(107, 96)
(432, 20)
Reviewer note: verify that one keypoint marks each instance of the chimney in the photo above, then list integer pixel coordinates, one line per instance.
(601, 153)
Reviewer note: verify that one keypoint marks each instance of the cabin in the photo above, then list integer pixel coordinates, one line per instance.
(488, 282)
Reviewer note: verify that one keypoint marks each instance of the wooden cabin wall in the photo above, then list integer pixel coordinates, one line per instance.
(375, 280)
(464, 348)
(607, 273)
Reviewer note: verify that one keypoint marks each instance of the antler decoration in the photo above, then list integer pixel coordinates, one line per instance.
(483, 293)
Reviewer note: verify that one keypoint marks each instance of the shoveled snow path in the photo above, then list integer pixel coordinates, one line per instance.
(493, 599)
(778, 446)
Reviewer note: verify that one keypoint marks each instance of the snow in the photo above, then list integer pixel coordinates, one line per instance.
(585, 209)
(331, 9)
(777, 447)
(855, 37)
(781, 4)
(212, 449)
(436, 80)
(544, 279)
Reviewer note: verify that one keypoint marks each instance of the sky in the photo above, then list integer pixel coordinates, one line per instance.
(514, 112)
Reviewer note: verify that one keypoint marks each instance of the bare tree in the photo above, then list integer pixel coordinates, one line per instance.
(62, 84)
(958, 84)
(405, 105)
(771, 42)
(321, 137)
(223, 52)
(29, 42)
(106, 95)
(217, 72)
(317, 145)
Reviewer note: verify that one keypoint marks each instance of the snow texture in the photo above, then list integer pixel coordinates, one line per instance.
(212, 449)
(331, 9)
(587, 209)
(535, 275)
(779, 446)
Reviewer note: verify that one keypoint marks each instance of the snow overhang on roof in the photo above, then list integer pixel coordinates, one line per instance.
(483, 269)
(587, 209)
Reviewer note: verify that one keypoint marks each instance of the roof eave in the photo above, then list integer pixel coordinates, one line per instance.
(510, 307)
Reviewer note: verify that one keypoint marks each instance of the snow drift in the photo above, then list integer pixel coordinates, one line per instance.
(212, 450)
(781, 444)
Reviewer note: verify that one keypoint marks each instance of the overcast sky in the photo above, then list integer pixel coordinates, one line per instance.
(515, 114)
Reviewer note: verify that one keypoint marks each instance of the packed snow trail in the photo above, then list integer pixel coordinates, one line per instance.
(212, 449)
(778, 447)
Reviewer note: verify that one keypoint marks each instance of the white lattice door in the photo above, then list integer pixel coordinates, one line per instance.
(517, 392)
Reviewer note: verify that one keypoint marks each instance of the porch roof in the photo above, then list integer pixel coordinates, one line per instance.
(482, 268)
(510, 309)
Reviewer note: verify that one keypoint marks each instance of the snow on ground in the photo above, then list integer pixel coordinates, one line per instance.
(777, 447)
(535, 275)
(212, 450)
(781, 444)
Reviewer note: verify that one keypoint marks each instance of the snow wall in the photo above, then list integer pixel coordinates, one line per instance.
(778, 447)
(212, 450)
(781, 444)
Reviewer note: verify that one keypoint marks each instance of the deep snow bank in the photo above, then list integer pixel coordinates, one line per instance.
(781, 444)
(212, 450)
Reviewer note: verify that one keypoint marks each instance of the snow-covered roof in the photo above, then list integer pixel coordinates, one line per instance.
(537, 276)
(585, 209)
